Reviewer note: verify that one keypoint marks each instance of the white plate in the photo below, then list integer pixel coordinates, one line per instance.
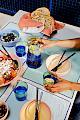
(52, 59)
(33, 29)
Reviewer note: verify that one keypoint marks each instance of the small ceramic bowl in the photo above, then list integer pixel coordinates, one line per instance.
(3, 110)
(9, 38)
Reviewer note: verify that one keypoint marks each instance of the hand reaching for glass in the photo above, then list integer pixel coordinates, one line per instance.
(61, 85)
(44, 43)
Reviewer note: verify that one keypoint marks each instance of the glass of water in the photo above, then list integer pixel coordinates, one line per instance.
(20, 49)
(34, 59)
(21, 91)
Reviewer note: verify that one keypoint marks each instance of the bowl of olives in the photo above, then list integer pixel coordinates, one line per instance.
(3, 110)
(9, 38)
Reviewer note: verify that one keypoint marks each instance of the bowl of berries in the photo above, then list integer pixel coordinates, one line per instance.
(9, 38)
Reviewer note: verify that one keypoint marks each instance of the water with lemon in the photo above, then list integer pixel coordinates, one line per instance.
(34, 59)
(49, 79)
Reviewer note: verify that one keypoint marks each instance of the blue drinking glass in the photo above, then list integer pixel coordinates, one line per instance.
(20, 49)
(21, 91)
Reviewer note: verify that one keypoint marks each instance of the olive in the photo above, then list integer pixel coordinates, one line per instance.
(9, 37)
(7, 76)
(3, 110)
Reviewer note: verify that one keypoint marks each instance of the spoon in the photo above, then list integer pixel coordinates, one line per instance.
(15, 61)
(40, 101)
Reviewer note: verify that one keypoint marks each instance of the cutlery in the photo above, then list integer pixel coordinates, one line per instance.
(62, 56)
(55, 68)
(60, 60)
(15, 61)
(36, 109)
(3, 52)
(40, 101)
(52, 34)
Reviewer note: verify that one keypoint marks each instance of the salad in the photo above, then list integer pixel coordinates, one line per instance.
(8, 69)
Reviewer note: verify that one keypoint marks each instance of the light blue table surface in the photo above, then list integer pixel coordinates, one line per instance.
(2, 90)
(36, 75)
(54, 102)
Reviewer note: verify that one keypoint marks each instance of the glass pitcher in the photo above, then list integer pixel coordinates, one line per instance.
(34, 59)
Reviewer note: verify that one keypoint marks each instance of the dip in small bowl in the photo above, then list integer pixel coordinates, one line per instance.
(9, 38)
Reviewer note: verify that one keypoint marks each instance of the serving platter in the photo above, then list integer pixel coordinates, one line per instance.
(19, 71)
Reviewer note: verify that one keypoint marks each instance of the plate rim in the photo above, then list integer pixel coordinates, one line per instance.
(53, 56)
(22, 117)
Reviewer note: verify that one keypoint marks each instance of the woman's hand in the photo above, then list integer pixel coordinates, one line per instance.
(61, 85)
(46, 43)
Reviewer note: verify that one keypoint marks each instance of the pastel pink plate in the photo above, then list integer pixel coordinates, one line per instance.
(28, 111)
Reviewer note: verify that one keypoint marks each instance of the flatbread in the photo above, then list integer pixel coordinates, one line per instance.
(42, 15)
(40, 11)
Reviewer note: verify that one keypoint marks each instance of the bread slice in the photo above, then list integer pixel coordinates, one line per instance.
(40, 11)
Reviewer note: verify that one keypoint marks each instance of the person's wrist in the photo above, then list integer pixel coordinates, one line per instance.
(72, 85)
(55, 43)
